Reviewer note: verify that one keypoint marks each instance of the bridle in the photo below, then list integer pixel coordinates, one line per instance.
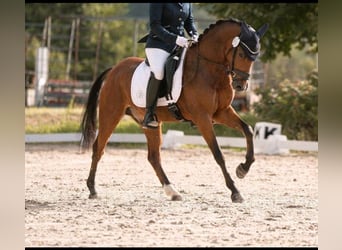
(237, 75)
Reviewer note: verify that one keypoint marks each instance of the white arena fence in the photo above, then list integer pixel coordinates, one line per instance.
(276, 144)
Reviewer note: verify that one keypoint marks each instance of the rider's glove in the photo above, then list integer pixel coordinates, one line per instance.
(182, 41)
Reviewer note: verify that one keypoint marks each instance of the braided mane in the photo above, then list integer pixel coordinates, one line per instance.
(213, 25)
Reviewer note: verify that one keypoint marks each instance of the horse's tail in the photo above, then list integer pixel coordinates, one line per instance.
(88, 125)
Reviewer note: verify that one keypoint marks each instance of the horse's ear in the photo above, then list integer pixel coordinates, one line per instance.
(245, 29)
(262, 30)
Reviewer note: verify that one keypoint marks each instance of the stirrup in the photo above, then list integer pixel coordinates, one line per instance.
(150, 123)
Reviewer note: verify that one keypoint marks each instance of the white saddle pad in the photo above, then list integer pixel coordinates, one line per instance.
(140, 80)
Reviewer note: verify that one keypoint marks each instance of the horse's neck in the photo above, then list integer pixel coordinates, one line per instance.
(215, 44)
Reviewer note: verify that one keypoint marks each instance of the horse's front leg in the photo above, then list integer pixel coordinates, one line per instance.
(231, 119)
(154, 140)
(206, 128)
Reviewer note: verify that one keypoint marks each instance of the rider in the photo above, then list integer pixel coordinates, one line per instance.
(167, 24)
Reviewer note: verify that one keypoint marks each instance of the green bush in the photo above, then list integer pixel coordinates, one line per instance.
(294, 105)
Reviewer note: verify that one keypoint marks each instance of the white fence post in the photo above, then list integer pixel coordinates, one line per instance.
(42, 71)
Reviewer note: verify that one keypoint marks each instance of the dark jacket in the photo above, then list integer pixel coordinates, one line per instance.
(167, 21)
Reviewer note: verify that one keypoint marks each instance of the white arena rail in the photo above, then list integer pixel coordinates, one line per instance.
(174, 139)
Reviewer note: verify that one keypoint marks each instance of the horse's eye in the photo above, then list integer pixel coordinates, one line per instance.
(242, 54)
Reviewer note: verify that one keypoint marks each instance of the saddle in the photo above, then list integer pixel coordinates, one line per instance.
(170, 86)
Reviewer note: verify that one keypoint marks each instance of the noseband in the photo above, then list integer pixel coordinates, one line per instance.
(237, 75)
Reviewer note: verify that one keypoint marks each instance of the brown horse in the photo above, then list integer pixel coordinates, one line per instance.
(213, 67)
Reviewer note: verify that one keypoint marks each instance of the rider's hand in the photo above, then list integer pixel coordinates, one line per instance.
(193, 40)
(182, 41)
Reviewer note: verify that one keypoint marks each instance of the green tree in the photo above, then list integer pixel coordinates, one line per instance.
(290, 24)
(37, 12)
(62, 15)
(294, 68)
(100, 31)
(35, 16)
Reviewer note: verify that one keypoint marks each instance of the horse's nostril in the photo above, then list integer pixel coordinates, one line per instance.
(238, 87)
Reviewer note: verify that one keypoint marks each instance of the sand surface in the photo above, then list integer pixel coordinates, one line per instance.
(280, 192)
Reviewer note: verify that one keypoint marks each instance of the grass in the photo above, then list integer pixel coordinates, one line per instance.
(52, 120)
(43, 120)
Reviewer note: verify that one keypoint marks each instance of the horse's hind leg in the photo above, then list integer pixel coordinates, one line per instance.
(231, 119)
(207, 131)
(108, 120)
(91, 178)
(154, 139)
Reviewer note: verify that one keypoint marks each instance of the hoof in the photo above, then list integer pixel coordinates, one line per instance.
(176, 198)
(172, 192)
(93, 196)
(240, 172)
(237, 198)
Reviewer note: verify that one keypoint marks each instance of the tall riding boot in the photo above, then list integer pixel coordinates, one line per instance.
(151, 101)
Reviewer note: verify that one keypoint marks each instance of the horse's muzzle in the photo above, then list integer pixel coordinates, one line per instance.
(240, 85)
(240, 80)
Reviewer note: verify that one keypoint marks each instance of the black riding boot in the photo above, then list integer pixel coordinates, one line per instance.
(151, 101)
